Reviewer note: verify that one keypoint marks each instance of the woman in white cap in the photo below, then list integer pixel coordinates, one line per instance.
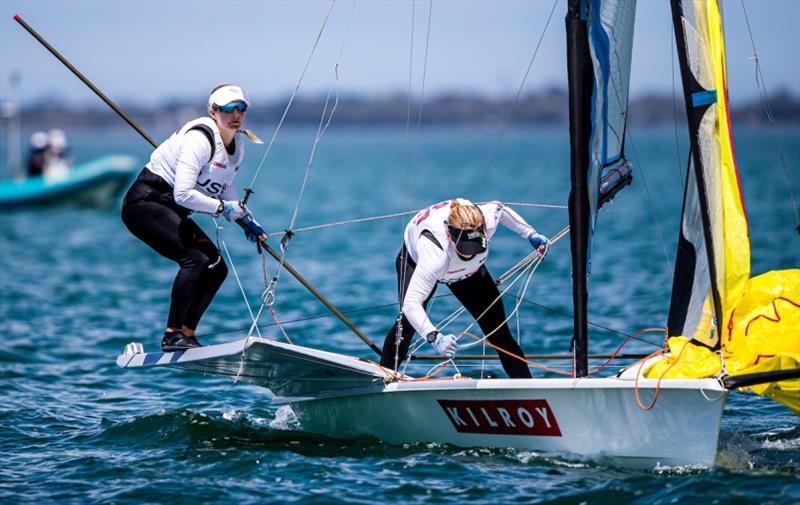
(192, 171)
(449, 243)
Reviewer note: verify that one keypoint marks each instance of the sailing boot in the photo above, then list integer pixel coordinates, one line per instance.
(176, 341)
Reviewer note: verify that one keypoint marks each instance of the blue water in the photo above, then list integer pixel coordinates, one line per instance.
(75, 287)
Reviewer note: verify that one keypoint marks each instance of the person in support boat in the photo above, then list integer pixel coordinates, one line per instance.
(448, 242)
(192, 171)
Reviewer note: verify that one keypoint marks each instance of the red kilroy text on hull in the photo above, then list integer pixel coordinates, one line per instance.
(502, 417)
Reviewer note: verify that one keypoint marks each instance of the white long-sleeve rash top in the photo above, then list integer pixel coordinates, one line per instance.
(183, 162)
(442, 264)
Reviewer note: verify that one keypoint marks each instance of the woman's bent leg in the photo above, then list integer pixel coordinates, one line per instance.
(181, 240)
(477, 293)
(395, 351)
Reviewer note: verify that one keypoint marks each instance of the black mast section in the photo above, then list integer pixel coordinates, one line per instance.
(581, 83)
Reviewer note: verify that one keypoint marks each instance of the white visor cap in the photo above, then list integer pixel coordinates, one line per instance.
(226, 95)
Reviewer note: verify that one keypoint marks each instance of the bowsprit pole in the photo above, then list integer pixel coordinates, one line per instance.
(83, 78)
(153, 143)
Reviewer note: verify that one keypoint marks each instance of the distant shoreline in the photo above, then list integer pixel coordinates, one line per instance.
(548, 107)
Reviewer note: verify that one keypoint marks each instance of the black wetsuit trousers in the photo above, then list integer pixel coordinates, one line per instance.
(151, 214)
(476, 293)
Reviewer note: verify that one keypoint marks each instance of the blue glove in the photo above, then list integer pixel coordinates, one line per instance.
(252, 230)
(539, 242)
(446, 345)
(232, 210)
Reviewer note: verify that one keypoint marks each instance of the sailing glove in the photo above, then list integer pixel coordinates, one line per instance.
(232, 210)
(252, 230)
(539, 242)
(446, 345)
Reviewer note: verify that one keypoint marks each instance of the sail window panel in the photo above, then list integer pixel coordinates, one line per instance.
(708, 141)
(698, 54)
(698, 289)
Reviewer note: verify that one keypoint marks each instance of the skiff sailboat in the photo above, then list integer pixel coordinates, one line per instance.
(665, 410)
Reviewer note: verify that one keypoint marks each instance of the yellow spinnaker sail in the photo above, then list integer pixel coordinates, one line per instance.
(735, 240)
(759, 327)
(763, 335)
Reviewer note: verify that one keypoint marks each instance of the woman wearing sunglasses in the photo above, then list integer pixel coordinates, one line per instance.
(449, 243)
(192, 171)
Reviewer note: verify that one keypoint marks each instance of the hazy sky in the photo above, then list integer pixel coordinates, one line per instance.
(150, 51)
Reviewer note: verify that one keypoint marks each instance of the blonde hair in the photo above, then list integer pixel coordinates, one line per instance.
(465, 216)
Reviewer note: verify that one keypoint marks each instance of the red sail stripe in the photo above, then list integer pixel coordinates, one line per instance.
(777, 317)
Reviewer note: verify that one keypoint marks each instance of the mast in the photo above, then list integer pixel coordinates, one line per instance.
(599, 46)
(581, 78)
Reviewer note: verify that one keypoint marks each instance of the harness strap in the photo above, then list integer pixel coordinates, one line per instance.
(430, 236)
(205, 130)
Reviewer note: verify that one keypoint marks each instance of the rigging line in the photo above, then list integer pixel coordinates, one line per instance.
(421, 103)
(405, 167)
(294, 94)
(516, 100)
(520, 358)
(345, 222)
(762, 91)
(411, 203)
(529, 258)
(638, 162)
(397, 214)
(532, 267)
(274, 315)
(420, 340)
(318, 316)
(323, 123)
(387, 305)
(268, 298)
(617, 352)
(596, 325)
(627, 130)
(681, 177)
(239, 282)
(254, 324)
(659, 229)
(534, 205)
(408, 102)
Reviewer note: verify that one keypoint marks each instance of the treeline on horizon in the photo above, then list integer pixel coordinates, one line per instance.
(547, 107)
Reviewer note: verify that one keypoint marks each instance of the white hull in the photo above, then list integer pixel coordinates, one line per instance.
(344, 397)
(594, 418)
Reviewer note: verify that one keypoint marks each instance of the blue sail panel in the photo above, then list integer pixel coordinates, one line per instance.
(610, 29)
